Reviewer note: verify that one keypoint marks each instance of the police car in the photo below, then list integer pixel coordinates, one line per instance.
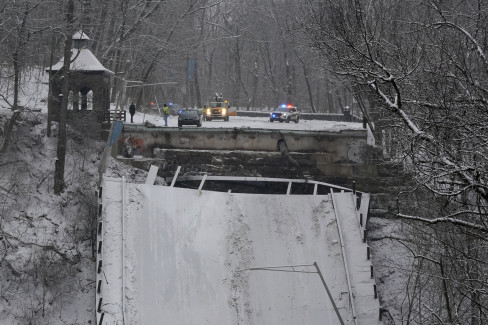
(285, 113)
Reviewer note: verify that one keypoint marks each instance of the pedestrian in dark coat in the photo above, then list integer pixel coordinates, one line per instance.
(132, 111)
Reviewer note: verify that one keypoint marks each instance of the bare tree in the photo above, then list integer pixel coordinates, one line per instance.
(17, 35)
(426, 70)
(59, 183)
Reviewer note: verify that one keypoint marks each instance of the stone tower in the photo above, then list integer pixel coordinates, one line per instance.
(89, 83)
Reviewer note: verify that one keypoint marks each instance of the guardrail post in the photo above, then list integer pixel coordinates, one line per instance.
(99, 286)
(99, 246)
(368, 253)
(101, 319)
(371, 269)
(361, 219)
(100, 228)
(375, 291)
(99, 266)
(99, 309)
(365, 234)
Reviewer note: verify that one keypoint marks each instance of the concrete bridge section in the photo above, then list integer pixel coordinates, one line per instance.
(178, 256)
(342, 146)
(331, 156)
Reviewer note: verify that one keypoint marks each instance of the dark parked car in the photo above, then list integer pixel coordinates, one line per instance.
(285, 113)
(189, 117)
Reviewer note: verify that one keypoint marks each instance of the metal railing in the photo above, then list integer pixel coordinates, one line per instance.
(112, 115)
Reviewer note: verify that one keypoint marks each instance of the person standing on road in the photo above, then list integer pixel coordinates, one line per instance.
(165, 114)
(132, 111)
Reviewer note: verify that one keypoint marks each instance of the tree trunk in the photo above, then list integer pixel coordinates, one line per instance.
(49, 108)
(318, 102)
(16, 79)
(59, 184)
(8, 131)
(445, 292)
(329, 100)
(237, 87)
(210, 72)
(255, 82)
(18, 54)
(309, 88)
(198, 94)
(289, 78)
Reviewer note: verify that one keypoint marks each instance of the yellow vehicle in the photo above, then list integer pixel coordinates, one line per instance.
(218, 109)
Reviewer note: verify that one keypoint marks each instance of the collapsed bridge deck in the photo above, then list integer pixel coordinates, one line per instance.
(191, 257)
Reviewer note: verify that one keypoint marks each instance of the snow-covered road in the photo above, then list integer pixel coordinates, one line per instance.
(251, 122)
(192, 249)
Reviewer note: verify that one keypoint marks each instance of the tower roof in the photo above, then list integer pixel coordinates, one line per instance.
(80, 35)
(85, 61)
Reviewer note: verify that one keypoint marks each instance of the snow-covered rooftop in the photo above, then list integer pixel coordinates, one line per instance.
(80, 35)
(85, 61)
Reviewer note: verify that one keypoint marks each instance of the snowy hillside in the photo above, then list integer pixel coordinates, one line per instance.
(47, 266)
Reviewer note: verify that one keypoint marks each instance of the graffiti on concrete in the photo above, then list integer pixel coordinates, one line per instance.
(356, 152)
(132, 146)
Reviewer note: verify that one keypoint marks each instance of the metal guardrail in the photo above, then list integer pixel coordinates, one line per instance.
(344, 259)
(112, 115)
(100, 313)
(308, 116)
(206, 177)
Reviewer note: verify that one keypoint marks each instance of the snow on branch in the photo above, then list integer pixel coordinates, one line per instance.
(426, 104)
(468, 35)
(395, 106)
(450, 220)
